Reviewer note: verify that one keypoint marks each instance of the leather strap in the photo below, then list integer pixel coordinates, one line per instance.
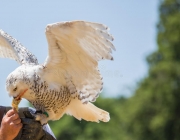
(2, 111)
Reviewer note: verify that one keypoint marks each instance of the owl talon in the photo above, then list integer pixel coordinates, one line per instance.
(42, 118)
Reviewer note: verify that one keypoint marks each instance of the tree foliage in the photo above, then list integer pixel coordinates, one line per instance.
(153, 112)
(156, 112)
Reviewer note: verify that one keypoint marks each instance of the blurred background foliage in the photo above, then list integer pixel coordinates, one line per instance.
(153, 111)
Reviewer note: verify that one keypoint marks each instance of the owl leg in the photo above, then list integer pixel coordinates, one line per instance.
(42, 118)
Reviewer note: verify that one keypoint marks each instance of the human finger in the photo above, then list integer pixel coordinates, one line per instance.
(14, 117)
(10, 112)
(17, 121)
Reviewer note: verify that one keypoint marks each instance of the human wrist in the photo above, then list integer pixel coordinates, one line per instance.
(2, 136)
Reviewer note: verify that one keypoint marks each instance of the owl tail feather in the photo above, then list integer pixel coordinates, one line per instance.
(88, 112)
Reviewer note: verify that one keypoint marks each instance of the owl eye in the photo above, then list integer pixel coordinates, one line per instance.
(15, 89)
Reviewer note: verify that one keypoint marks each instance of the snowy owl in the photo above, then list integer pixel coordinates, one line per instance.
(69, 79)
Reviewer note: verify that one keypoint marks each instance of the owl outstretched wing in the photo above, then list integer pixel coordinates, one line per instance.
(13, 49)
(76, 47)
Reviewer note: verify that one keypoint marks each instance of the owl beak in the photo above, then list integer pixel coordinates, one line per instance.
(16, 100)
(20, 95)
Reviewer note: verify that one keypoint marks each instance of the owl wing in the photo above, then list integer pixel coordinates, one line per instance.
(76, 47)
(13, 49)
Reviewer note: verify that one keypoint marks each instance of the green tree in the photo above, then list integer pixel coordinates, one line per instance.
(155, 114)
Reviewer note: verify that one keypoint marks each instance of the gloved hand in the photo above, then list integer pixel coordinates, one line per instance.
(32, 130)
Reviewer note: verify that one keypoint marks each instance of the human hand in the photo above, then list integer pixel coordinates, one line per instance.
(10, 125)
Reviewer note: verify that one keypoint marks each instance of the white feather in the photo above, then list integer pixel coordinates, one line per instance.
(11, 48)
(77, 47)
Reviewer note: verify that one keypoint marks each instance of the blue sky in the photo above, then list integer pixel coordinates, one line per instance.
(132, 23)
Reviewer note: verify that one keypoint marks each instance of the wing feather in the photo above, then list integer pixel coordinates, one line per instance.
(13, 49)
(76, 47)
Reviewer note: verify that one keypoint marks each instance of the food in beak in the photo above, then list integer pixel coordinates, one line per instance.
(17, 100)
(15, 103)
